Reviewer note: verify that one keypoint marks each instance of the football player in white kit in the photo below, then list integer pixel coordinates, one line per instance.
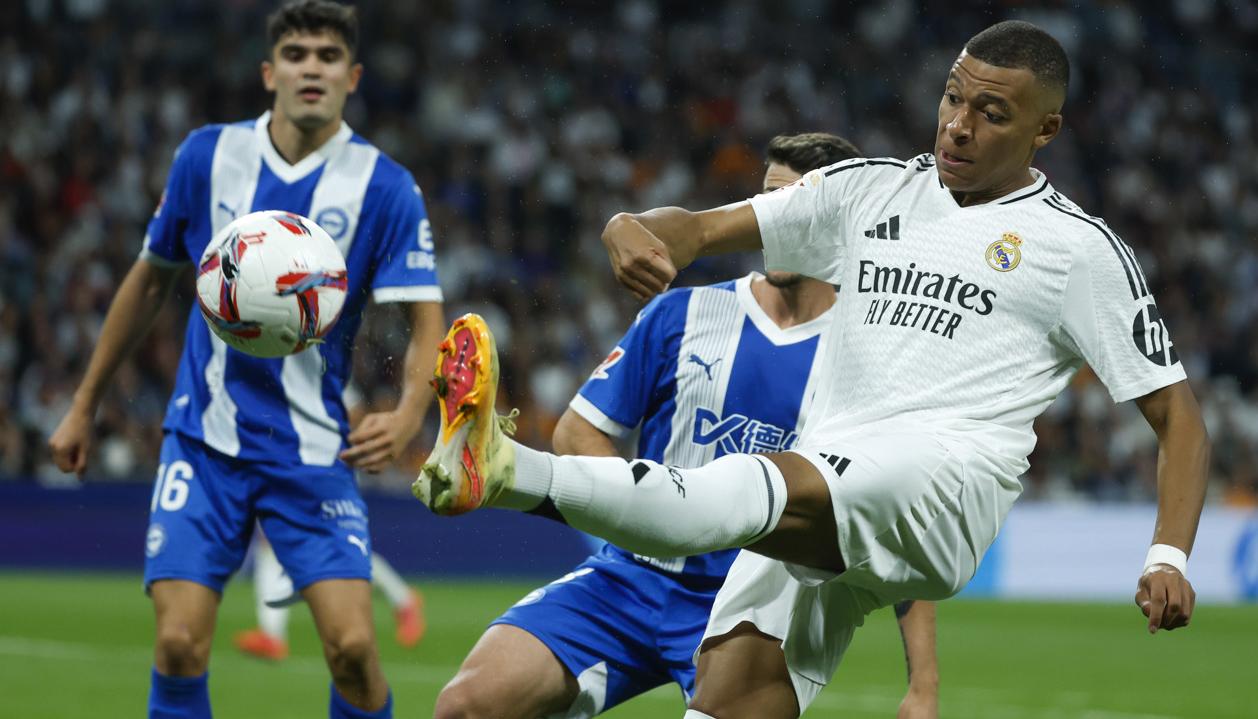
(973, 292)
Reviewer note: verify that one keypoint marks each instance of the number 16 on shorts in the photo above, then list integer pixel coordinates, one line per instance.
(170, 492)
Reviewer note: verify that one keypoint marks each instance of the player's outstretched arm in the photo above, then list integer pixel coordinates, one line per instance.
(647, 249)
(917, 630)
(380, 437)
(1163, 593)
(128, 320)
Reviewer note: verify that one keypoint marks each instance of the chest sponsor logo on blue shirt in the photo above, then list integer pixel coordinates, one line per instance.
(740, 434)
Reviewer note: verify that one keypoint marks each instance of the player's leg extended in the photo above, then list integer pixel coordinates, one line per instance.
(643, 506)
(185, 613)
(342, 614)
(509, 673)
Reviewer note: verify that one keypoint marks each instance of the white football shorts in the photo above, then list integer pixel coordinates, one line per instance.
(914, 513)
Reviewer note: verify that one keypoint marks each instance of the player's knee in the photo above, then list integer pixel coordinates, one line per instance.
(350, 653)
(180, 653)
(460, 700)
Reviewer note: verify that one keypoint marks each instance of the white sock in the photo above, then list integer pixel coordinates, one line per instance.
(692, 714)
(270, 582)
(389, 582)
(533, 471)
(661, 511)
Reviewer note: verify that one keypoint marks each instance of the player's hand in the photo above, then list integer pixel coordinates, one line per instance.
(71, 442)
(1166, 597)
(378, 440)
(640, 260)
(919, 704)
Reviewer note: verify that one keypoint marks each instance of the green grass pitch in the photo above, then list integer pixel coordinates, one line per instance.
(75, 645)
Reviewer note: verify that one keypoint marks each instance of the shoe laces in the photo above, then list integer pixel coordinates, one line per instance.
(506, 423)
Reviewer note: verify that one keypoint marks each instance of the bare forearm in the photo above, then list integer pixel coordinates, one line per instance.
(427, 327)
(688, 235)
(129, 319)
(647, 250)
(917, 631)
(1183, 463)
(731, 228)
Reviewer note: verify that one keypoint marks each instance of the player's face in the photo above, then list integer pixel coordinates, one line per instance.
(311, 74)
(776, 176)
(991, 121)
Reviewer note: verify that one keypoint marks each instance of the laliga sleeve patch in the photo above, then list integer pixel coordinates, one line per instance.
(1149, 333)
(614, 357)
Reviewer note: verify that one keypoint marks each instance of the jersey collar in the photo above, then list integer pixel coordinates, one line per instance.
(1038, 188)
(292, 173)
(768, 327)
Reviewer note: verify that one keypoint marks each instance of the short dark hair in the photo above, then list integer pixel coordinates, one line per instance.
(1018, 44)
(807, 151)
(314, 16)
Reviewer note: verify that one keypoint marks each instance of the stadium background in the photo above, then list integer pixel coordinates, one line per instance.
(528, 124)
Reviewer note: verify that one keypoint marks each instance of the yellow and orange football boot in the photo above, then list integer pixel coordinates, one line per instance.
(473, 461)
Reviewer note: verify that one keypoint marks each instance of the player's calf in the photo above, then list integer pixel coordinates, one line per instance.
(342, 614)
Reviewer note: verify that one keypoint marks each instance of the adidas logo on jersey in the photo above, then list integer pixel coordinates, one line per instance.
(839, 464)
(886, 230)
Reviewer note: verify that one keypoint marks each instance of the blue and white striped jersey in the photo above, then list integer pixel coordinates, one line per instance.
(287, 408)
(705, 372)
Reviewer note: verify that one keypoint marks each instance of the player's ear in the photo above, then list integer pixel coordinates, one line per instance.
(268, 75)
(1050, 125)
(355, 74)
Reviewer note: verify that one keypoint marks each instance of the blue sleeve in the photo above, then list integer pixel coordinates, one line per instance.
(164, 240)
(630, 381)
(406, 267)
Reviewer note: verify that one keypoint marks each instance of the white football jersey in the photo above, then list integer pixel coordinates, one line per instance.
(965, 321)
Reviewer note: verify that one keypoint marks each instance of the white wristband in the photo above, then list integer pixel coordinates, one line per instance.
(1166, 554)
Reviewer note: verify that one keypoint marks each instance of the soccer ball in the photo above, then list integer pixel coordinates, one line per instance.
(271, 283)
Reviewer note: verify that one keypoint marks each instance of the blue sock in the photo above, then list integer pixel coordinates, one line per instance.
(179, 697)
(339, 708)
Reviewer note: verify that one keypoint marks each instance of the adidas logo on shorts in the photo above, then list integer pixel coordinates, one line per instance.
(839, 464)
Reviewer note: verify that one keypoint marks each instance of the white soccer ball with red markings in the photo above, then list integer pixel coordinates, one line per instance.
(271, 283)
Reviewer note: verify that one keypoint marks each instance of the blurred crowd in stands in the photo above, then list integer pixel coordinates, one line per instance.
(529, 123)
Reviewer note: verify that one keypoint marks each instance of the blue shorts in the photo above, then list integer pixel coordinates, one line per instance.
(205, 504)
(622, 628)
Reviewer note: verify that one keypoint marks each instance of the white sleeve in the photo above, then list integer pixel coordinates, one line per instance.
(1112, 322)
(801, 224)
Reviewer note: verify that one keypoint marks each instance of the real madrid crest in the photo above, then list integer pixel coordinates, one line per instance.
(1005, 254)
